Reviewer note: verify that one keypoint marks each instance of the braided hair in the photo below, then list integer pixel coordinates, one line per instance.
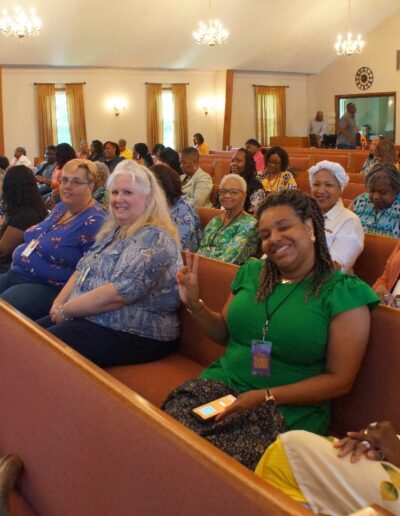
(306, 208)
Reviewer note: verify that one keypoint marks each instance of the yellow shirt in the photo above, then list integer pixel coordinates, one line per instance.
(126, 153)
(203, 148)
(285, 181)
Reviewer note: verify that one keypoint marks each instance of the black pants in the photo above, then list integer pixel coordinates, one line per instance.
(107, 347)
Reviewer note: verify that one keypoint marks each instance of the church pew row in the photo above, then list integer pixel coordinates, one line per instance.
(90, 445)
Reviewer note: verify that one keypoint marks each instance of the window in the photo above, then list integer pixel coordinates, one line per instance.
(168, 118)
(63, 132)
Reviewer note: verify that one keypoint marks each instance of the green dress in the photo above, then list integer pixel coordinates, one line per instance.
(234, 243)
(298, 331)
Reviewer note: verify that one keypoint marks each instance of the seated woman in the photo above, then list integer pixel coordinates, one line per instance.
(156, 151)
(201, 146)
(387, 286)
(386, 152)
(254, 147)
(142, 155)
(296, 331)
(64, 153)
(100, 192)
(233, 236)
(372, 159)
(120, 306)
(276, 176)
(379, 208)
(44, 262)
(243, 164)
(305, 466)
(343, 230)
(24, 207)
(183, 213)
(170, 157)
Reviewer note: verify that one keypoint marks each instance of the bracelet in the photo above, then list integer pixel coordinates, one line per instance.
(65, 316)
(268, 396)
(193, 311)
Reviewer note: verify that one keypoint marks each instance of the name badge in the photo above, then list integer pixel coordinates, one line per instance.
(30, 248)
(261, 357)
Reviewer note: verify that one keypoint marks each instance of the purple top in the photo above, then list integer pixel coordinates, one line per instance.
(59, 247)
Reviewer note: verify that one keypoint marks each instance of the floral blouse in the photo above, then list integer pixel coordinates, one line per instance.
(285, 181)
(186, 218)
(143, 270)
(385, 222)
(233, 243)
(59, 246)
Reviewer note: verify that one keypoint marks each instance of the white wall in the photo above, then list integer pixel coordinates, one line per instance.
(243, 104)
(338, 78)
(19, 103)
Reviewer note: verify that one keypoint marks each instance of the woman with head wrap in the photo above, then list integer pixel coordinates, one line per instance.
(343, 229)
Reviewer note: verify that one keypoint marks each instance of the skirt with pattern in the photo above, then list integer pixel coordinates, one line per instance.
(244, 436)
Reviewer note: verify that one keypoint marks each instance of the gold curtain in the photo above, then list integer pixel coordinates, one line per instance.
(46, 112)
(180, 116)
(76, 113)
(270, 112)
(154, 114)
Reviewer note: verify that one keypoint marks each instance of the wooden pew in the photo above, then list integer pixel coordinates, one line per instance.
(206, 214)
(92, 446)
(371, 262)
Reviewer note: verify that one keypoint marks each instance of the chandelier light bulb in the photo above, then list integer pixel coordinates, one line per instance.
(349, 45)
(211, 34)
(19, 23)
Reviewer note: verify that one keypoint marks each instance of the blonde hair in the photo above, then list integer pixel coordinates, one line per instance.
(88, 166)
(156, 212)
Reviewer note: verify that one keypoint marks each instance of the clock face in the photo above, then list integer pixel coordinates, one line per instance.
(364, 78)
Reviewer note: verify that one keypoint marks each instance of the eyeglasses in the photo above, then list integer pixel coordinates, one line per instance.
(231, 191)
(74, 182)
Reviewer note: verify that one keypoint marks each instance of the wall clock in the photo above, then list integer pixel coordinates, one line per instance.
(364, 78)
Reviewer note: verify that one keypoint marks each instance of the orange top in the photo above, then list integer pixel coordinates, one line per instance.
(392, 271)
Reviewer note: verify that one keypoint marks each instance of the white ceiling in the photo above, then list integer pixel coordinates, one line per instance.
(272, 35)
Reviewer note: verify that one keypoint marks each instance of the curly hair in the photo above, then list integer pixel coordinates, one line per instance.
(20, 191)
(281, 153)
(306, 208)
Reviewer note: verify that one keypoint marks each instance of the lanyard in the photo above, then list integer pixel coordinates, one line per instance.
(269, 316)
(58, 223)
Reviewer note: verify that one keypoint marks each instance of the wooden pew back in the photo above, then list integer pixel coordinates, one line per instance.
(371, 262)
(92, 446)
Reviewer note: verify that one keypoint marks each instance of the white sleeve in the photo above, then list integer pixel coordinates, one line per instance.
(347, 243)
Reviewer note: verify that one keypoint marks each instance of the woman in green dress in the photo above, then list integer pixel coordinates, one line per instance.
(231, 237)
(314, 319)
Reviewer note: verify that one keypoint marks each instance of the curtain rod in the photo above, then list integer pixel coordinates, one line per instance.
(276, 86)
(167, 82)
(41, 83)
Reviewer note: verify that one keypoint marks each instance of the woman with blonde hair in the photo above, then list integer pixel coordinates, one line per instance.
(120, 307)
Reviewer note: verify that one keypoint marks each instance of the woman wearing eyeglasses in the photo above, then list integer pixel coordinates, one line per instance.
(44, 262)
(231, 237)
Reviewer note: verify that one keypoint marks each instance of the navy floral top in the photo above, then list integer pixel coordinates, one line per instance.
(186, 218)
(143, 270)
(59, 247)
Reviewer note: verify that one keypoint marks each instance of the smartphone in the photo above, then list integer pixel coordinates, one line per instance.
(213, 408)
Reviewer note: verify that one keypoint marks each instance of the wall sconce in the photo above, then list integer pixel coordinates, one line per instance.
(117, 105)
(206, 104)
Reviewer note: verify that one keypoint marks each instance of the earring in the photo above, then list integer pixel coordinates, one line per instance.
(312, 237)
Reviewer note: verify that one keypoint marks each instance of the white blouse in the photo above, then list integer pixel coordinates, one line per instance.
(344, 236)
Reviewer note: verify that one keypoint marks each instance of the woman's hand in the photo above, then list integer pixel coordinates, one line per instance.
(246, 401)
(188, 282)
(54, 310)
(385, 295)
(378, 441)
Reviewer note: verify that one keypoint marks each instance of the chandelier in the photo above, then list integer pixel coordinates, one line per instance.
(349, 45)
(211, 34)
(20, 23)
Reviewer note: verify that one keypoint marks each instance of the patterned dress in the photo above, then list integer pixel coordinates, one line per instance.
(233, 243)
(385, 222)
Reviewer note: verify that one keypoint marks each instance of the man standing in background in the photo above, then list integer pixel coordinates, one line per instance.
(316, 129)
(347, 129)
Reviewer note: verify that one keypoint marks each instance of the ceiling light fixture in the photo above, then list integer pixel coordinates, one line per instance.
(211, 33)
(20, 23)
(349, 45)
